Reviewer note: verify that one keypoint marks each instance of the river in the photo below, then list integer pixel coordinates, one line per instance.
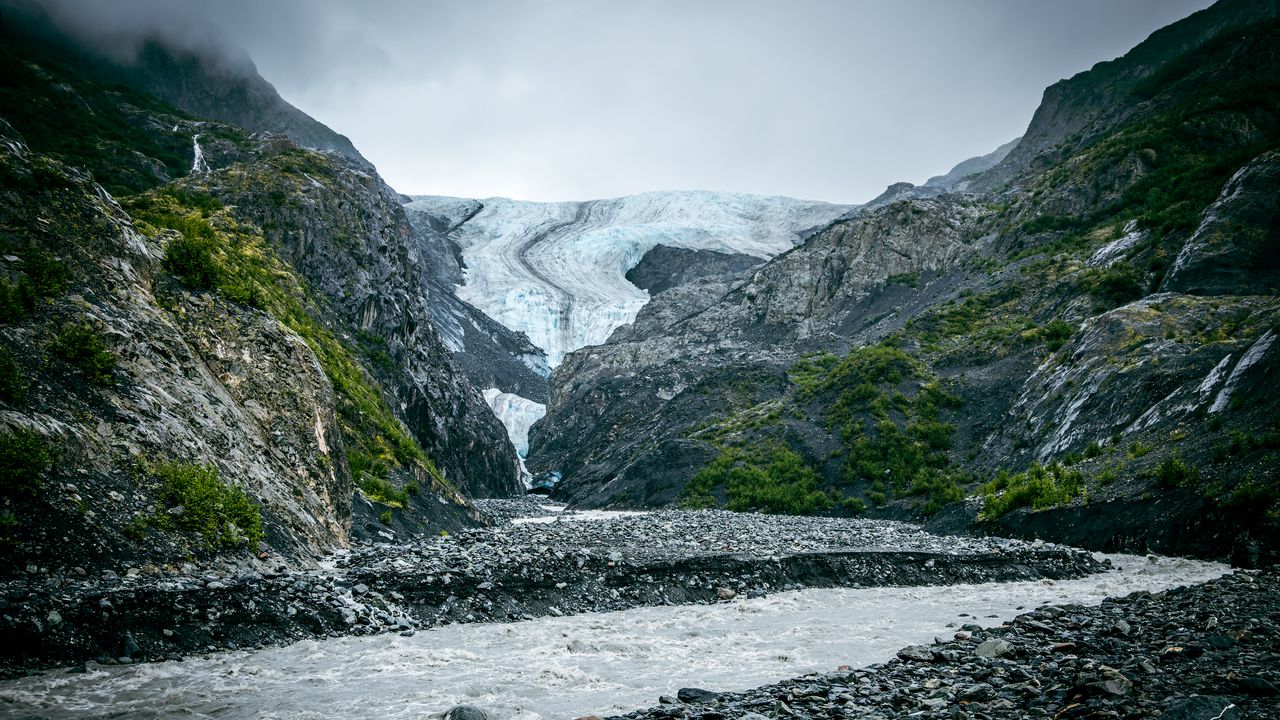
(566, 667)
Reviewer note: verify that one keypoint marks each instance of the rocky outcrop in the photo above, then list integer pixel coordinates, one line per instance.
(347, 235)
(1144, 369)
(1075, 113)
(195, 379)
(1236, 248)
(664, 267)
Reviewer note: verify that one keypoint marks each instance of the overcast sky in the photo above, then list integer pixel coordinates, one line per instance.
(577, 99)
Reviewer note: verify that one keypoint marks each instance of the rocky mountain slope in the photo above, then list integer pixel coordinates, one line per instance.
(1083, 338)
(205, 77)
(212, 342)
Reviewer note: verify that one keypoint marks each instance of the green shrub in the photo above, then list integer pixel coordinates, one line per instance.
(80, 345)
(1114, 286)
(1040, 487)
(191, 259)
(24, 456)
(48, 274)
(773, 479)
(43, 276)
(223, 516)
(909, 279)
(1056, 334)
(1138, 448)
(1173, 472)
(17, 300)
(385, 517)
(13, 388)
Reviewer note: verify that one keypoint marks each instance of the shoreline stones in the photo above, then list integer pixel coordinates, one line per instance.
(1068, 662)
(553, 565)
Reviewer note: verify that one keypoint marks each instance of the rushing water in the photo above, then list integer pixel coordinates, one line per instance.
(569, 666)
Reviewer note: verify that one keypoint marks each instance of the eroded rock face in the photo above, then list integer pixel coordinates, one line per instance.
(1144, 366)
(1236, 248)
(346, 233)
(197, 380)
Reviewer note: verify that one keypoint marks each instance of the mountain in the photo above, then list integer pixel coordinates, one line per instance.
(214, 343)
(1079, 346)
(957, 179)
(203, 79)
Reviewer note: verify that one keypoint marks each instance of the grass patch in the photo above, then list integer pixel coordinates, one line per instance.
(770, 479)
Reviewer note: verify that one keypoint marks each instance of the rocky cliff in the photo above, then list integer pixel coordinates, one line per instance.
(1058, 338)
(212, 343)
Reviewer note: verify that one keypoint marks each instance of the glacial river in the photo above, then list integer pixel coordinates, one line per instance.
(567, 667)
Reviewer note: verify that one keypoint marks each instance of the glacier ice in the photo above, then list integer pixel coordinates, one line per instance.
(556, 271)
(517, 414)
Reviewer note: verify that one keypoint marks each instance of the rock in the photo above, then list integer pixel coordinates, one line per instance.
(696, 695)
(1256, 686)
(916, 653)
(993, 648)
(724, 593)
(1219, 642)
(360, 589)
(1202, 707)
(130, 646)
(466, 712)
(1174, 653)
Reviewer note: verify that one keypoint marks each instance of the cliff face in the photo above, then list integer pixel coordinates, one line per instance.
(229, 354)
(179, 378)
(1069, 339)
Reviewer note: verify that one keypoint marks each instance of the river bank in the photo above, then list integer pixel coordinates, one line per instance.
(1206, 652)
(552, 564)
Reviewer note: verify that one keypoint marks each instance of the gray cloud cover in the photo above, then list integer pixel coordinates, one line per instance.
(574, 99)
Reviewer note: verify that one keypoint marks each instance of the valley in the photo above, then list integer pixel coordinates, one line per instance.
(1005, 443)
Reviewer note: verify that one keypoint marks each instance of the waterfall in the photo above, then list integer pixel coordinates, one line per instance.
(198, 164)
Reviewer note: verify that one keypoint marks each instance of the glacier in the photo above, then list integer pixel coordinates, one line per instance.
(556, 270)
(517, 414)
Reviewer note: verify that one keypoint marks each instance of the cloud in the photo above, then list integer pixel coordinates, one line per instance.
(562, 99)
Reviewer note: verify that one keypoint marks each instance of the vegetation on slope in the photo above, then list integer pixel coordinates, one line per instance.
(209, 249)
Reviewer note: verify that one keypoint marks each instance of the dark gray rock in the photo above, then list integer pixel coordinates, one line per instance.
(1202, 707)
(696, 695)
(467, 712)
